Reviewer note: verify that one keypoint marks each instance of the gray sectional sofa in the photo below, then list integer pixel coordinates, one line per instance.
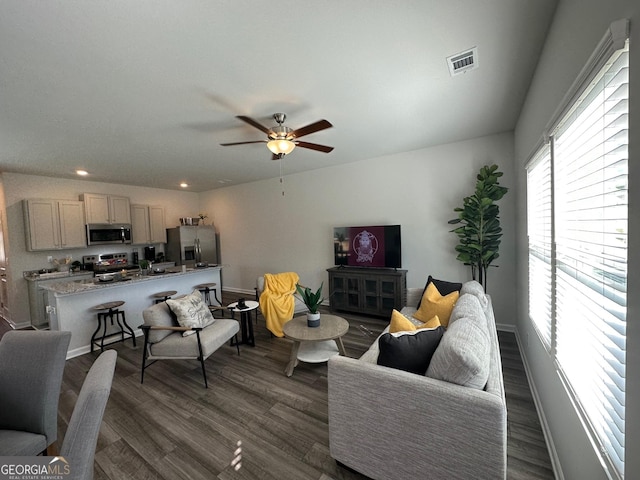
(391, 424)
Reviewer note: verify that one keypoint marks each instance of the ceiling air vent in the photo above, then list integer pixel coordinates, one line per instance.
(463, 62)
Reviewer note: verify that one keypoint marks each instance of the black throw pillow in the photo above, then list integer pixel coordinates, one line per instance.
(444, 287)
(411, 351)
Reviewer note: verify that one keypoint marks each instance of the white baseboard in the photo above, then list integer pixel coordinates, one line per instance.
(553, 454)
(76, 352)
(240, 290)
(18, 326)
(505, 327)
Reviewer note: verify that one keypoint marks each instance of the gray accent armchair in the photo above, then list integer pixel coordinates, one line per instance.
(163, 339)
(31, 368)
(79, 444)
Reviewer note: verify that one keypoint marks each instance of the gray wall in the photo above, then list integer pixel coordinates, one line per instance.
(577, 28)
(263, 231)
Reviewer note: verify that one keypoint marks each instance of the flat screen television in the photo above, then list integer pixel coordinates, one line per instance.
(377, 246)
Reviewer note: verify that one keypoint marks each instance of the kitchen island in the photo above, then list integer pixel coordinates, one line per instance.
(70, 302)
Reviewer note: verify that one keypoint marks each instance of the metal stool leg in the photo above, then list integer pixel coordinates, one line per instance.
(104, 330)
(215, 295)
(221, 308)
(116, 313)
(93, 337)
(207, 298)
(124, 320)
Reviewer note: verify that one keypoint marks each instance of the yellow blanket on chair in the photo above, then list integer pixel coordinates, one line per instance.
(277, 302)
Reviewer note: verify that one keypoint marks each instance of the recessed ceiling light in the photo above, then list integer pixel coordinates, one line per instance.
(184, 184)
(82, 173)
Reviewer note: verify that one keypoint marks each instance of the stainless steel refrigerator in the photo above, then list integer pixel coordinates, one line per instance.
(189, 245)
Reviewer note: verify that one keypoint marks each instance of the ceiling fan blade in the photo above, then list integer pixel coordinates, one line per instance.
(242, 143)
(314, 146)
(312, 128)
(255, 124)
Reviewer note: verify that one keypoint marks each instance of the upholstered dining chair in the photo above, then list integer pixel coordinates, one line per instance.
(31, 368)
(79, 444)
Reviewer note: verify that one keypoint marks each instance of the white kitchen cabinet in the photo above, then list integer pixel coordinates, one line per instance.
(139, 224)
(101, 208)
(147, 224)
(157, 225)
(54, 224)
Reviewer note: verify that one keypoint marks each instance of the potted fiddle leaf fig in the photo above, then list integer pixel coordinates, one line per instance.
(479, 218)
(312, 301)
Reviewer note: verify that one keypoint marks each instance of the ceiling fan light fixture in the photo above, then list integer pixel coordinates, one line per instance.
(281, 140)
(279, 146)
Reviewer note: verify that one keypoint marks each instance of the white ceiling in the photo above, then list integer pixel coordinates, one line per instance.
(143, 92)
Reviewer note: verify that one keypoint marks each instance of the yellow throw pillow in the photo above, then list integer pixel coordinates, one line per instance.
(433, 303)
(400, 323)
(433, 322)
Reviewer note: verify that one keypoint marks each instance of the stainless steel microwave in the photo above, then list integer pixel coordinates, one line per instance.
(107, 234)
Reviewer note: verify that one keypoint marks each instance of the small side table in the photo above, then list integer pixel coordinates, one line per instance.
(315, 344)
(246, 327)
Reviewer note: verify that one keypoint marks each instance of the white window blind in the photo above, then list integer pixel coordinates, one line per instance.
(590, 226)
(540, 243)
(577, 226)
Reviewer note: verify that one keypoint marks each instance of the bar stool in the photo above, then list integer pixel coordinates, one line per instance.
(111, 311)
(163, 296)
(206, 289)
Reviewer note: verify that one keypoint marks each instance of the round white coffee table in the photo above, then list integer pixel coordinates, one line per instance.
(314, 344)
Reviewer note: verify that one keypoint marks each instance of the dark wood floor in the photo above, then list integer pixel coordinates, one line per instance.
(173, 428)
(527, 454)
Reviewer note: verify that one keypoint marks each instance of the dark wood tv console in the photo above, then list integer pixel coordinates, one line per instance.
(370, 291)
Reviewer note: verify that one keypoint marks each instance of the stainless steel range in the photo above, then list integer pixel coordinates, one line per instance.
(106, 262)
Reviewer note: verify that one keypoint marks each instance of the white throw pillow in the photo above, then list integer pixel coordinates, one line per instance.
(191, 311)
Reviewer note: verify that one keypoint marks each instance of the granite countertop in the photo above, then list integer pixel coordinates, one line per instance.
(35, 276)
(69, 287)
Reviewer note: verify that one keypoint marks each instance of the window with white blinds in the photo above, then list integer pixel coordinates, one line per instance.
(577, 227)
(590, 180)
(540, 238)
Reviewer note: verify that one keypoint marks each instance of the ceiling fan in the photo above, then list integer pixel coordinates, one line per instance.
(281, 139)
